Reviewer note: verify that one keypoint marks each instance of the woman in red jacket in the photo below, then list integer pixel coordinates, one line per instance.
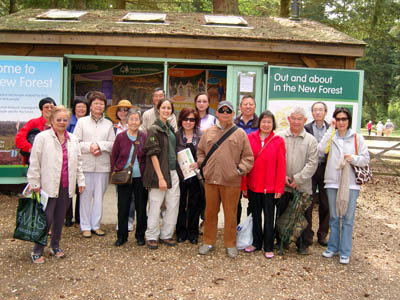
(265, 183)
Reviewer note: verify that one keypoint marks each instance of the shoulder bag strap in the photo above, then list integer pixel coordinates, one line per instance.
(355, 143)
(217, 144)
(263, 147)
(135, 150)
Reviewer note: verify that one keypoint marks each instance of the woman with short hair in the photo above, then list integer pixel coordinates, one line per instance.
(56, 167)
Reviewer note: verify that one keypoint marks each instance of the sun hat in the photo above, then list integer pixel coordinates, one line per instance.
(112, 110)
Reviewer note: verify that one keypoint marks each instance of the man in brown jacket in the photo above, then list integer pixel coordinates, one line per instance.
(222, 175)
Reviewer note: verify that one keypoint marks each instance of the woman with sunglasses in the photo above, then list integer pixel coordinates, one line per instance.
(160, 178)
(56, 167)
(190, 205)
(344, 147)
(202, 105)
(117, 114)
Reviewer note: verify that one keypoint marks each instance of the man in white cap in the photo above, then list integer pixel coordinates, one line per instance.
(388, 127)
(222, 175)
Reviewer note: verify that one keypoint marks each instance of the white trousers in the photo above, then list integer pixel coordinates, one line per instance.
(91, 201)
(170, 215)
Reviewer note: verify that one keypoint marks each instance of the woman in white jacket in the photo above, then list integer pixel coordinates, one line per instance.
(55, 168)
(345, 147)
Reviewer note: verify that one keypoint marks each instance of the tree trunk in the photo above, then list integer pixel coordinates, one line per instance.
(226, 7)
(284, 9)
(120, 4)
(13, 6)
(79, 4)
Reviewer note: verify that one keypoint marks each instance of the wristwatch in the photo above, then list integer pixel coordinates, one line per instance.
(240, 171)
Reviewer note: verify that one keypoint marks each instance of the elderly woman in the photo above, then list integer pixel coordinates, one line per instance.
(202, 105)
(265, 183)
(191, 199)
(80, 108)
(55, 168)
(128, 152)
(345, 148)
(161, 178)
(96, 137)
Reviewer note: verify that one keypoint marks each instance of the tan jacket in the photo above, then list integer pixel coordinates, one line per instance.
(235, 152)
(151, 115)
(88, 131)
(46, 162)
(301, 159)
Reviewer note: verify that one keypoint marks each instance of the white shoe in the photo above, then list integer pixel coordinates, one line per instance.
(344, 260)
(328, 254)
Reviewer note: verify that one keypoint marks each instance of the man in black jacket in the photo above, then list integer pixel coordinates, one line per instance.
(317, 128)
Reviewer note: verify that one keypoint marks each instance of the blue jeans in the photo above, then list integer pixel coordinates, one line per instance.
(340, 238)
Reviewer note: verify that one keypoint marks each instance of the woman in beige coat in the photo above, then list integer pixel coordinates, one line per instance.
(55, 168)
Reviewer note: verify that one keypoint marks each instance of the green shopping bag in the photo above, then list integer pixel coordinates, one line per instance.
(31, 223)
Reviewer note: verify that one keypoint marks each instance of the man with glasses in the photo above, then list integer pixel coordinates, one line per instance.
(26, 135)
(301, 163)
(150, 115)
(222, 175)
(317, 128)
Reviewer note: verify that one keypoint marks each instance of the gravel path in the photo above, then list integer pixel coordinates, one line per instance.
(95, 269)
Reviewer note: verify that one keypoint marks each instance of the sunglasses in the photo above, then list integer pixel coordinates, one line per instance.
(226, 110)
(189, 120)
(341, 119)
(123, 109)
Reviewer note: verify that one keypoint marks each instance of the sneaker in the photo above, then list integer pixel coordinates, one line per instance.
(57, 252)
(328, 254)
(152, 244)
(98, 232)
(250, 249)
(37, 258)
(169, 242)
(344, 260)
(232, 252)
(86, 234)
(204, 249)
(269, 255)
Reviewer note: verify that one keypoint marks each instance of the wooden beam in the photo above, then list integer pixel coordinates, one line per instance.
(185, 42)
(309, 61)
(350, 63)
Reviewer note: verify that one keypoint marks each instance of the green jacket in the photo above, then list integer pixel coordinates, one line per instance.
(157, 144)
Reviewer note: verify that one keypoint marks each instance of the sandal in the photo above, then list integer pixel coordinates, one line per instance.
(269, 255)
(250, 249)
(57, 252)
(37, 258)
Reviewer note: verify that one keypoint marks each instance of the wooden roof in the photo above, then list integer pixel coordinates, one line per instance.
(187, 30)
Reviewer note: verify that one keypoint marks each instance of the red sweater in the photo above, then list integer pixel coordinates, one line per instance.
(20, 139)
(269, 169)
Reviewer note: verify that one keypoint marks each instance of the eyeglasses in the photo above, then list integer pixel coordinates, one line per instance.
(341, 119)
(123, 109)
(189, 120)
(225, 110)
(61, 120)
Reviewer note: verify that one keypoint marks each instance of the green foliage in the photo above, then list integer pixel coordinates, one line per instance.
(259, 7)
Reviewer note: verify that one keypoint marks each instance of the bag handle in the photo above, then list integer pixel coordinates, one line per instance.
(216, 145)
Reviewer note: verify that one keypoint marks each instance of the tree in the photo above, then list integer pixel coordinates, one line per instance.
(226, 7)
(284, 13)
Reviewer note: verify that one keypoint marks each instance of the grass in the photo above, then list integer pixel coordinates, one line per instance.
(364, 131)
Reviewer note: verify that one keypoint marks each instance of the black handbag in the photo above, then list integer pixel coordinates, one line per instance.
(31, 221)
(125, 175)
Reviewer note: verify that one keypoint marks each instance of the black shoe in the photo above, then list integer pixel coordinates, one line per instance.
(119, 242)
(303, 251)
(180, 240)
(68, 223)
(140, 242)
(323, 243)
(194, 241)
(169, 242)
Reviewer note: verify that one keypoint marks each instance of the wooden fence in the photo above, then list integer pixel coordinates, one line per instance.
(385, 155)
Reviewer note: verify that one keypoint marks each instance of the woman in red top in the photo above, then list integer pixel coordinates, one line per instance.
(265, 183)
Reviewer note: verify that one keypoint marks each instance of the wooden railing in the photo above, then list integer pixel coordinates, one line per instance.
(385, 155)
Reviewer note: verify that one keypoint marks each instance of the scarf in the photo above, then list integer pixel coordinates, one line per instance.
(342, 197)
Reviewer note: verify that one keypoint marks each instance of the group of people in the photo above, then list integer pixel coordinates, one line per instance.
(381, 129)
(236, 157)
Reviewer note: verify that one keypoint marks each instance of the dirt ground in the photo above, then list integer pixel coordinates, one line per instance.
(96, 269)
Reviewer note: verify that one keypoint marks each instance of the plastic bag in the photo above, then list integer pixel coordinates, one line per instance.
(244, 233)
(31, 223)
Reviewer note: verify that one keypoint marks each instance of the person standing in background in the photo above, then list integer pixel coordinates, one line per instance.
(96, 136)
(317, 128)
(369, 127)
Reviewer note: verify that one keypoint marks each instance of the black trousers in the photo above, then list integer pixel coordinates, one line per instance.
(69, 213)
(323, 208)
(263, 203)
(124, 201)
(190, 207)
